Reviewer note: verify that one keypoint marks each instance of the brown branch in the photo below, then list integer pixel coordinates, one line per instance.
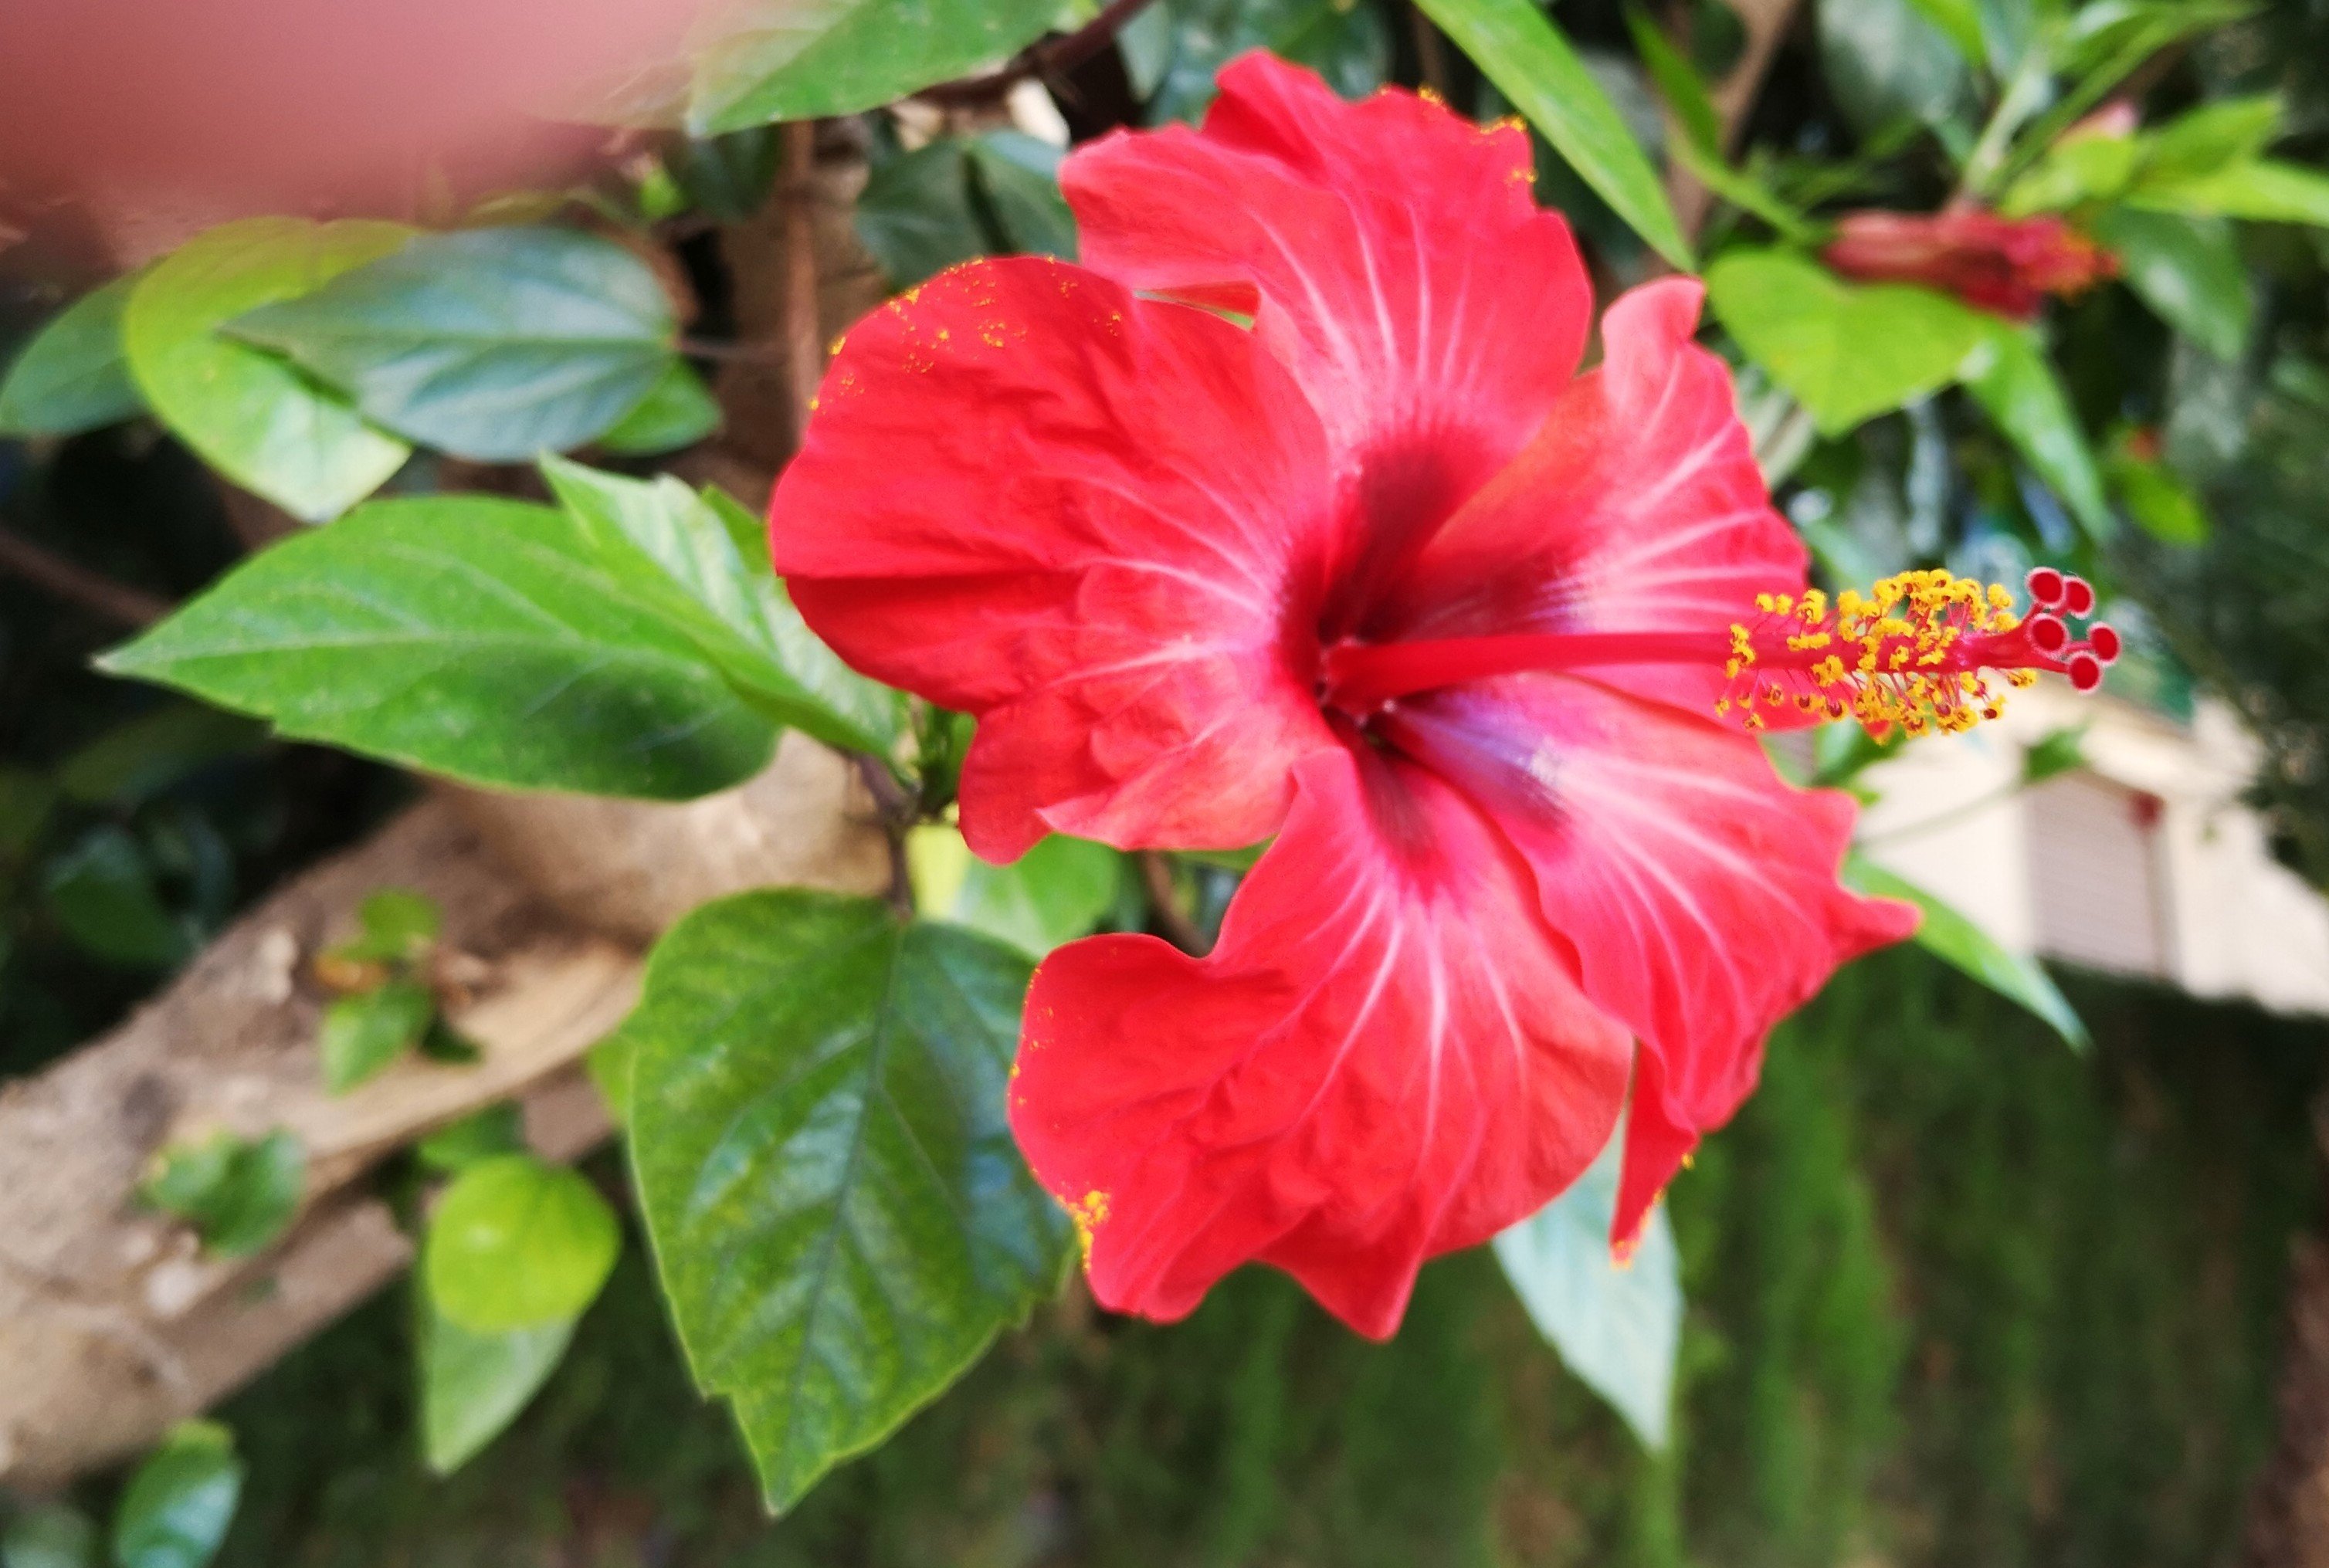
(1430, 54)
(1767, 22)
(92, 591)
(1051, 59)
(805, 353)
(1165, 899)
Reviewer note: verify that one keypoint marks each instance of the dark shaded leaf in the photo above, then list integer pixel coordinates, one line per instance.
(73, 375)
(2011, 378)
(2188, 269)
(678, 411)
(917, 214)
(51, 1535)
(175, 1510)
(102, 894)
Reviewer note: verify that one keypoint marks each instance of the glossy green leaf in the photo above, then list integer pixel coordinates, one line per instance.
(1678, 82)
(473, 1384)
(365, 1032)
(239, 1194)
(2009, 377)
(2265, 191)
(702, 562)
(101, 894)
(2189, 269)
(72, 376)
(479, 1136)
(469, 635)
(797, 60)
(2058, 751)
(249, 413)
(50, 1535)
(175, 1512)
(1847, 352)
(1018, 178)
(1054, 893)
(1617, 1325)
(841, 1218)
(679, 410)
(491, 344)
(1959, 942)
(1517, 47)
(517, 1243)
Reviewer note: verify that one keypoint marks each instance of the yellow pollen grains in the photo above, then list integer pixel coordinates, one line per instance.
(1087, 1216)
(1917, 650)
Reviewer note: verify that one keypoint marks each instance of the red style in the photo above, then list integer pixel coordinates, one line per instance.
(1384, 578)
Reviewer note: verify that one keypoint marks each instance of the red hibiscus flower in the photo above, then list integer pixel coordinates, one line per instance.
(2005, 265)
(1380, 576)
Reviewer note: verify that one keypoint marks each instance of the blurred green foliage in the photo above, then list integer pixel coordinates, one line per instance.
(1956, 1296)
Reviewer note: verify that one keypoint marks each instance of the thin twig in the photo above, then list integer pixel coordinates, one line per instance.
(1431, 54)
(1165, 899)
(805, 346)
(92, 591)
(1054, 57)
(896, 810)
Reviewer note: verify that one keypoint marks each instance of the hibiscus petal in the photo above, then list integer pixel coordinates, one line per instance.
(1697, 888)
(1098, 522)
(1432, 311)
(1384, 1058)
(1637, 508)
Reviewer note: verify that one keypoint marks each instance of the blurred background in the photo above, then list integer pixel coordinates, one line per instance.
(2023, 1271)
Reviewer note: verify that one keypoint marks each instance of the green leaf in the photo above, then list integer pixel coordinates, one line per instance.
(473, 1384)
(2265, 191)
(1618, 1326)
(787, 61)
(51, 1536)
(1847, 352)
(101, 894)
(1054, 893)
(2058, 751)
(72, 376)
(365, 1032)
(466, 634)
(139, 759)
(2010, 376)
(176, 1509)
(2188, 269)
(250, 414)
(492, 344)
(1174, 50)
(1678, 82)
(2211, 138)
(517, 1243)
(1884, 61)
(917, 214)
(479, 1136)
(2160, 504)
(1019, 177)
(238, 1194)
(1959, 22)
(679, 410)
(702, 562)
(1517, 47)
(1959, 942)
(397, 924)
(839, 1213)
(2073, 173)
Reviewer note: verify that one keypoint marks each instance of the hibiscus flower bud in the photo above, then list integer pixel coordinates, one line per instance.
(2005, 265)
